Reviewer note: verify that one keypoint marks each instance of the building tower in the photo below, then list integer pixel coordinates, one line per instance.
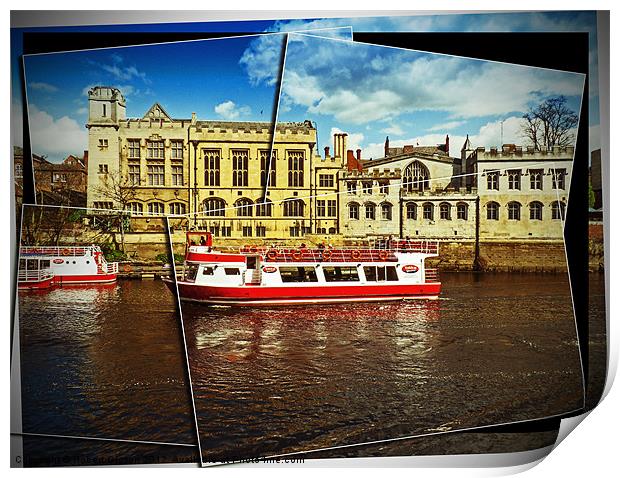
(106, 108)
(466, 151)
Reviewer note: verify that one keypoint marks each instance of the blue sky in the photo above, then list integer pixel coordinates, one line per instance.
(230, 79)
(371, 92)
(502, 22)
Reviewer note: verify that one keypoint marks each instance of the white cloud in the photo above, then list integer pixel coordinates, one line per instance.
(393, 129)
(55, 138)
(228, 110)
(446, 126)
(354, 140)
(41, 86)
(82, 111)
(341, 79)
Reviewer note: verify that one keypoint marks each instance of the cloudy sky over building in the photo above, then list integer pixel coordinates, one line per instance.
(371, 92)
(190, 80)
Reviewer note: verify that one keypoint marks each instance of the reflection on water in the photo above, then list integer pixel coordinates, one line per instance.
(104, 361)
(495, 348)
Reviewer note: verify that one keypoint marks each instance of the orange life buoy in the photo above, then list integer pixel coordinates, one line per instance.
(383, 255)
(66, 252)
(326, 255)
(296, 255)
(356, 254)
(272, 255)
(253, 249)
(127, 267)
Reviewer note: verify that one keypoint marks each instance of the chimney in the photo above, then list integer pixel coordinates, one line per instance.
(326, 152)
(336, 145)
(447, 144)
(85, 160)
(387, 146)
(359, 154)
(193, 118)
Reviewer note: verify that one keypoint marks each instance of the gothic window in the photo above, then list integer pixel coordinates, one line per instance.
(514, 211)
(536, 179)
(536, 211)
(558, 177)
(492, 211)
(384, 187)
(240, 159)
(156, 208)
(214, 207)
(416, 177)
(155, 175)
(444, 211)
(154, 150)
(428, 211)
(354, 210)
(366, 187)
(386, 211)
(412, 210)
(244, 207)
(134, 207)
(370, 210)
(264, 165)
(461, 211)
(514, 179)
(19, 170)
(177, 208)
(293, 207)
(212, 167)
(558, 210)
(263, 207)
(295, 168)
(493, 180)
(352, 187)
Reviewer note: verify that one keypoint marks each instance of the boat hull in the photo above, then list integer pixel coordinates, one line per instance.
(306, 294)
(35, 284)
(84, 279)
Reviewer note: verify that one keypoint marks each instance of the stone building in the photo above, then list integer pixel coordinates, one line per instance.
(215, 172)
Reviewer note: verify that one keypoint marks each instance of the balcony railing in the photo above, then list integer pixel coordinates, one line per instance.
(36, 275)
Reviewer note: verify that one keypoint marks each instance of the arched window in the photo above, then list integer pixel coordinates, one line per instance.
(428, 210)
(156, 208)
(263, 207)
(369, 207)
(536, 211)
(558, 210)
(244, 207)
(386, 211)
(354, 210)
(412, 210)
(19, 170)
(461, 211)
(293, 207)
(177, 208)
(134, 207)
(514, 211)
(214, 207)
(493, 211)
(445, 211)
(416, 177)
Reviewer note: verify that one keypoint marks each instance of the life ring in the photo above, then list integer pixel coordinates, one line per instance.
(296, 255)
(36, 250)
(127, 267)
(356, 254)
(326, 255)
(272, 255)
(66, 252)
(253, 249)
(383, 255)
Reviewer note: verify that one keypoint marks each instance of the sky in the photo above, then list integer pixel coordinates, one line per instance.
(557, 21)
(371, 92)
(229, 79)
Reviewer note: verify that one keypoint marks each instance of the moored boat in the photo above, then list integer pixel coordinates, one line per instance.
(390, 271)
(70, 264)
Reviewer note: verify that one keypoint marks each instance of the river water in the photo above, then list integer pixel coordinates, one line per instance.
(495, 348)
(109, 362)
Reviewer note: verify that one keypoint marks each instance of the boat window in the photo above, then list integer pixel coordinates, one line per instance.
(44, 264)
(298, 274)
(191, 271)
(338, 274)
(207, 271)
(31, 264)
(231, 271)
(22, 264)
(380, 273)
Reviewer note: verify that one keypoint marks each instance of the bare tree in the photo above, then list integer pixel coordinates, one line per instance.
(120, 191)
(550, 124)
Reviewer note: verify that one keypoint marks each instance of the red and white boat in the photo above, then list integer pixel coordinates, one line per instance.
(67, 264)
(31, 276)
(279, 276)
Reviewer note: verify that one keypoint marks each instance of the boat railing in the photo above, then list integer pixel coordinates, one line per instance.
(431, 275)
(111, 268)
(34, 275)
(58, 250)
